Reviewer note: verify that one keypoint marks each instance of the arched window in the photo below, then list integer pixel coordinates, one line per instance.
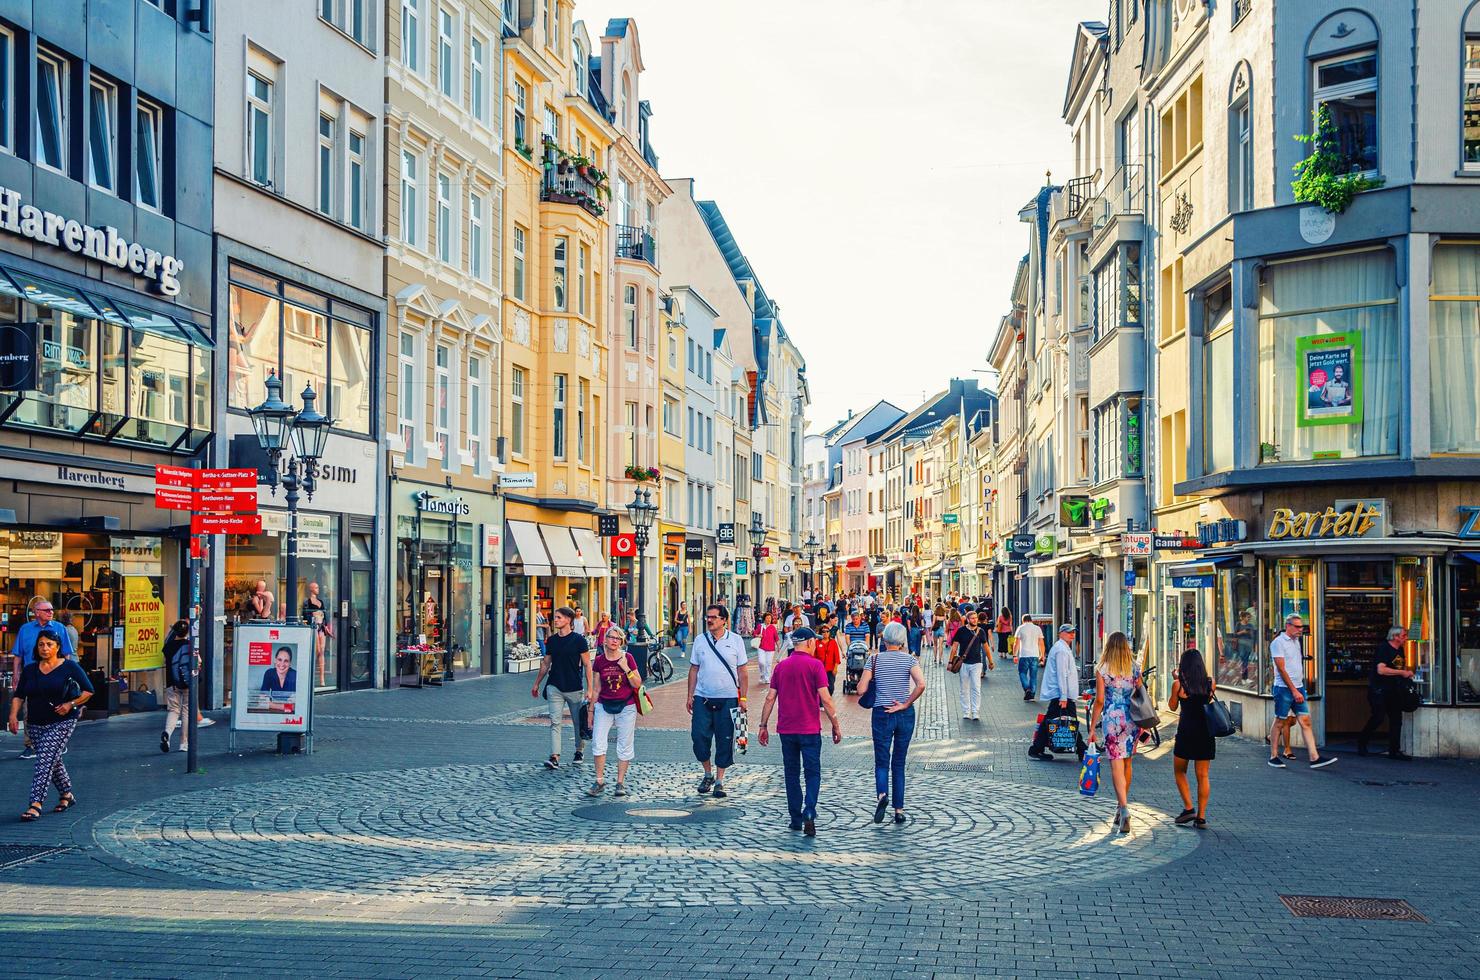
(1342, 57)
(1240, 140)
(626, 101)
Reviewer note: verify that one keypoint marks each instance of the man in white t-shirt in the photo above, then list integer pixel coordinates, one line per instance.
(717, 684)
(1030, 655)
(1290, 702)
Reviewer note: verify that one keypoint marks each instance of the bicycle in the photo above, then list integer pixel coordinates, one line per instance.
(659, 667)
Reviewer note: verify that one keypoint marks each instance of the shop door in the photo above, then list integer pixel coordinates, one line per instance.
(358, 629)
(1357, 611)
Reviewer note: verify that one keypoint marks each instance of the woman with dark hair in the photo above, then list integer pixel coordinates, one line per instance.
(177, 688)
(1192, 689)
(53, 688)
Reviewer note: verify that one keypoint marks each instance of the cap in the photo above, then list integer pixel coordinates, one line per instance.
(803, 633)
(1068, 628)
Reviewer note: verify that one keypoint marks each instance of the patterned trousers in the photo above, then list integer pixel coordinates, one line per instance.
(49, 741)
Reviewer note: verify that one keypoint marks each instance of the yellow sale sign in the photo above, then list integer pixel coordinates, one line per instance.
(143, 624)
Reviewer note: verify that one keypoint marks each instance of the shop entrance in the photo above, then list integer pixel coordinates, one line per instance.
(1358, 611)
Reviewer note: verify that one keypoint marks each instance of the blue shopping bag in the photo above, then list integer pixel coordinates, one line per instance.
(1089, 773)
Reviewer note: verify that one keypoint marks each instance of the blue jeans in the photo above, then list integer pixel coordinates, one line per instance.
(1028, 673)
(801, 754)
(897, 728)
(681, 638)
(712, 723)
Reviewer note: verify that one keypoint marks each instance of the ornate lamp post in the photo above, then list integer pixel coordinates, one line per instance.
(809, 547)
(757, 535)
(832, 554)
(642, 511)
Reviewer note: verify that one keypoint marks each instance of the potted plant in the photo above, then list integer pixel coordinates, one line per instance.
(1325, 177)
(641, 474)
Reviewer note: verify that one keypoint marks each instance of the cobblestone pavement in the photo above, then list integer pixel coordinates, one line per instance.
(422, 839)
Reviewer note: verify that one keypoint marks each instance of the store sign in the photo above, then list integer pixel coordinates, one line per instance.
(516, 481)
(1131, 422)
(727, 534)
(1222, 531)
(493, 554)
(452, 506)
(143, 624)
(623, 545)
(1074, 512)
(74, 476)
(1044, 544)
(1470, 529)
(787, 568)
(1196, 578)
(1098, 508)
(18, 357)
(1136, 545)
(1344, 519)
(742, 566)
(950, 519)
(693, 548)
(104, 245)
(1020, 544)
(276, 521)
(1174, 542)
(608, 525)
(226, 524)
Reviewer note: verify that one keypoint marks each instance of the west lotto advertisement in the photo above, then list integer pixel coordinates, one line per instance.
(273, 678)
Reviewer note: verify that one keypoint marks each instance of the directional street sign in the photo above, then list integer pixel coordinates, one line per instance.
(234, 502)
(174, 476)
(239, 479)
(172, 498)
(226, 524)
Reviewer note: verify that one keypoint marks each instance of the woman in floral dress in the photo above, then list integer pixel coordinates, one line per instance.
(1116, 677)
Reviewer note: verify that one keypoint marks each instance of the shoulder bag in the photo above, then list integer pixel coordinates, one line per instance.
(960, 658)
(1143, 713)
(1219, 718)
(644, 703)
(870, 697)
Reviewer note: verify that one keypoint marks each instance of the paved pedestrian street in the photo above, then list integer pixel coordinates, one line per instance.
(423, 838)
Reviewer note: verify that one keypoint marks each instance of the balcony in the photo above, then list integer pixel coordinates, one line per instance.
(1123, 196)
(637, 243)
(572, 179)
(1078, 193)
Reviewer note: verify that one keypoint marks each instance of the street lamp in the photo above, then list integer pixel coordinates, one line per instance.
(832, 554)
(301, 436)
(757, 535)
(642, 511)
(809, 547)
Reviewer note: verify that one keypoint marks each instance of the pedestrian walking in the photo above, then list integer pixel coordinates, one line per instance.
(768, 640)
(969, 646)
(1116, 677)
(1192, 691)
(829, 655)
(681, 627)
(1386, 682)
(1029, 653)
(940, 617)
(717, 685)
(612, 682)
(1060, 689)
(179, 665)
(562, 682)
(53, 690)
(1003, 629)
(899, 681)
(856, 630)
(23, 652)
(578, 624)
(1288, 688)
(798, 690)
(871, 613)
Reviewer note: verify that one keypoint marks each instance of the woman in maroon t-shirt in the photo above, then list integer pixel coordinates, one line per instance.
(613, 699)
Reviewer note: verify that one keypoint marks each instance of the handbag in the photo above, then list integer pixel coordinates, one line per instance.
(1409, 697)
(644, 703)
(1220, 720)
(1063, 733)
(870, 697)
(1143, 713)
(586, 720)
(1089, 773)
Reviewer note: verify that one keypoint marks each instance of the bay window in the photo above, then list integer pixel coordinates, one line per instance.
(558, 273)
(1217, 403)
(582, 393)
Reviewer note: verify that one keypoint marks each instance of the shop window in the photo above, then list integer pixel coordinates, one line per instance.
(65, 393)
(1237, 661)
(1467, 631)
(1415, 610)
(350, 393)
(1454, 349)
(1329, 360)
(159, 389)
(305, 351)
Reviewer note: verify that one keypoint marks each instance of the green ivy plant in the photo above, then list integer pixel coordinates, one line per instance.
(1325, 177)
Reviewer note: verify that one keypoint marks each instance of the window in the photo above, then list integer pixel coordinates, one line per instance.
(1241, 157)
(148, 145)
(410, 199)
(631, 416)
(447, 52)
(406, 390)
(516, 412)
(357, 180)
(1130, 285)
(557, 417)
(259, 129)
(558, 272)
(476, 411)
(446, 228)
(7, 88)
(1217, 406)
(1181, 127)
(1105, 313)
(1173, 303)
(582, 256)
(443, 418)
(477, 238)
(518, 277)
(556, 41)
(672, 351)
(1454, 348)
(1469, 111)
(411, 34)
(102, 142)
(647, 319)
(1347, 87)
(689, 429)
(670, 415)
(52, 101)
(326, 164)
(478, 78)
(552, 124)
(1329, 369)
(521, 114)
(347, 15)
(582, 392)
(629, 315)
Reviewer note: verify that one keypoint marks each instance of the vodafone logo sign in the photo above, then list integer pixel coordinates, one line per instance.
(623, 545)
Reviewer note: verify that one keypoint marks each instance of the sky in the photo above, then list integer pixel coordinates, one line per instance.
(871, 157)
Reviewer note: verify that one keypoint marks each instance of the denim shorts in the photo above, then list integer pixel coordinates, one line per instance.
(1284, 703)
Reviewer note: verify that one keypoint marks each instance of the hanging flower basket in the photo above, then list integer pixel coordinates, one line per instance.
(641, 474)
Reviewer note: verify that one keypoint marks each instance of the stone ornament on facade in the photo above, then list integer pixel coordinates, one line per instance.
(583, 341)
(631, 373)
(1181, 218)
(561, 335)
(521, 327)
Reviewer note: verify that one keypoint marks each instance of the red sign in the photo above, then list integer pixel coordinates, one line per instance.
(233, 502)
(171, 498)
(623, 545)
(855, 564)
(196, 549)
(174, 476)
(226, 524)
(240, 479)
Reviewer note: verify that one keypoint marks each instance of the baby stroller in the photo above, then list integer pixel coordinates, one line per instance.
(857, 661)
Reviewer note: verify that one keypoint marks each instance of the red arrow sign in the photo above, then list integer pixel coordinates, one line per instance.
(623, 545)
(230, 501)
(170, 498)
(226, 524)
(240, 479)
(174, 476)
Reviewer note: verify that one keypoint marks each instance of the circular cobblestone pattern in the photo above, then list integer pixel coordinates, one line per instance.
(484, 834)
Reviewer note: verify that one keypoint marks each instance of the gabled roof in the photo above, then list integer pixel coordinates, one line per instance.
(765, 315)
(1089, 35)
(865, 424)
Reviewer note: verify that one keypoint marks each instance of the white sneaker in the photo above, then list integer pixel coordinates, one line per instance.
(204, 723)
(184, 748)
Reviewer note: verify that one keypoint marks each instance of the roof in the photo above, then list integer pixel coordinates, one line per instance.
(846, 427)
(765, 316)
(944, 404)
(617, 27)
(1089, 36)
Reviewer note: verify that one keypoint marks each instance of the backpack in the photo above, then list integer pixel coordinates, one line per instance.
(181, 667)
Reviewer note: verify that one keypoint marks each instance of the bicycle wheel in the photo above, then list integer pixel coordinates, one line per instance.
(661, 667)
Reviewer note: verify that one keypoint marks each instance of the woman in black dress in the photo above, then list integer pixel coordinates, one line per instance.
(1192, 690)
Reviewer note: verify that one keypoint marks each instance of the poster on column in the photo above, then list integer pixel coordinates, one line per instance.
(1330, 374)
(274, 678)
(143, 623)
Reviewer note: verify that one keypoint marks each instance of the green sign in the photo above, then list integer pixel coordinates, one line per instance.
(1133, 443)
(742, 566)
(1330, 378)
(950, 519)
(1074, 512)
(1043, 544)
(1098, 508)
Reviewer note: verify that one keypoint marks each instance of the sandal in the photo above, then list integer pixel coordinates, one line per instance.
(33, 812)
(65, 803)
(1186, 816)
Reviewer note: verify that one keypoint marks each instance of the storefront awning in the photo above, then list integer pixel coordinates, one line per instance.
(524, 541)
(1473, 556)
(591, 556)
(563, 552)
(1047, 568)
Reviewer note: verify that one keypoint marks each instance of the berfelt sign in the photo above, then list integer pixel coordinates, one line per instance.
(1345, 519)
(104, 245)
(455, 506)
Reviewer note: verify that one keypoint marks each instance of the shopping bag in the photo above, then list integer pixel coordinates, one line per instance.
(1089, 773)
(1063, 733)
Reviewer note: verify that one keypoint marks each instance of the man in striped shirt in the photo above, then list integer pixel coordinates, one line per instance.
(857, 629)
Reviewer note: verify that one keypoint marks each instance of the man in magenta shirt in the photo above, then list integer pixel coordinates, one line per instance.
(799, 688)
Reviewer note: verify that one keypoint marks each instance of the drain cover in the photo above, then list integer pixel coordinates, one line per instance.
(14, 855)
(958, 767)
(1345, 907)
